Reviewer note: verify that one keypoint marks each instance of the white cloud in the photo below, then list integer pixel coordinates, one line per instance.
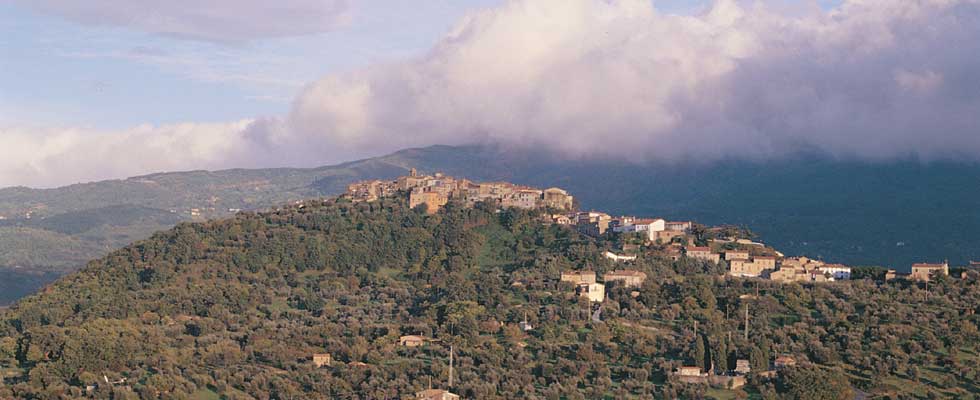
(51, 157)
(871, 79)
(212, 20)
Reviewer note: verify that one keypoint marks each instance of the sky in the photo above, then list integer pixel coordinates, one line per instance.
(108, 89)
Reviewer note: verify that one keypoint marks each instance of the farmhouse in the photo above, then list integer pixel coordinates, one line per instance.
(924, 272)
(630, 278)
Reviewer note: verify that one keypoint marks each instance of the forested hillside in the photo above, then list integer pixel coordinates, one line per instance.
(859, 213)
(236, 308)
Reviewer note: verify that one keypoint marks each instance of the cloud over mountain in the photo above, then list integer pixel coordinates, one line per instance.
(52, 157)
(213, 20)
(871, 79)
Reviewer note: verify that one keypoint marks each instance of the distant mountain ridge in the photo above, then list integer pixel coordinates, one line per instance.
(888, 213)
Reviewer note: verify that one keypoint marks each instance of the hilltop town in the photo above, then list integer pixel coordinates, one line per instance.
(435, 191)
(738, 255)
(741, 256)
(482, 290)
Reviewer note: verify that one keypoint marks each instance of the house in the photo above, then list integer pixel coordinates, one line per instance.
(677, 226)
(691, 374)
(787, 274)
(736, 255)
(593, 223)
(703, 253)
(523, 198)
(558, 198)
(839, 272)
(742, 367)
(753, 268)
(647, 227)
(431, 198)
(435, 394)
(923, 272)
(666, 236)
(630, 278)
(615, 257)
(891, 275)
(578, 277)
(321, 359)
(411, 341)
(784, 361)
(767, 262)
(804, 263)
(596, 292)
(561, 219)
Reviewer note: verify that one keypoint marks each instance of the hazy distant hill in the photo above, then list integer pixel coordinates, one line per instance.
(854, 212)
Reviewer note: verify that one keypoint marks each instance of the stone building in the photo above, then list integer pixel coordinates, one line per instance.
(629, 278)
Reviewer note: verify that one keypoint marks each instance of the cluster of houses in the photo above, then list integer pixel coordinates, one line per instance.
(324, 360)
(437, 190)
(595, 223)
(730, 379)
(586, 285)
(743, 263)
(920, 272)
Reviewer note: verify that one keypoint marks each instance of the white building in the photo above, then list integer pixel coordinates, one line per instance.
(647, 227)
(838, 271)
(615, 257)
(594, 291)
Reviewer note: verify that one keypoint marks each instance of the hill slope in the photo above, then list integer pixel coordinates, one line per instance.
(891, 214)
(236, 308)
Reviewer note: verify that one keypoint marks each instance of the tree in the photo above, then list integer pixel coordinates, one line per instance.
(813, 383)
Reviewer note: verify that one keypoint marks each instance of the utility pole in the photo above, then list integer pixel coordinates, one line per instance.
(450, 366)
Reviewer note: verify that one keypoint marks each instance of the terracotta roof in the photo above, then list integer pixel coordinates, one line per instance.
(644, 221)
(698, 249)
(765, 258)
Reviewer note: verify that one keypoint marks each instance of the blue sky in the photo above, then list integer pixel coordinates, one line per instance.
(54, 71)
(58, 72)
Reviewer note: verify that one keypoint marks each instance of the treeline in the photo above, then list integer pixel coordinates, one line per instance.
(236, 307)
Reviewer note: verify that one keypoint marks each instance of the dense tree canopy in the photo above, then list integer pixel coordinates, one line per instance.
(237, 307)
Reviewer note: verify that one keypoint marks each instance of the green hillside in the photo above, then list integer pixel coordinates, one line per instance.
(886, 213)
(234, 308)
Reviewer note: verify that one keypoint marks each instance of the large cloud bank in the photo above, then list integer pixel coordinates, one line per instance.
(872, 79)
